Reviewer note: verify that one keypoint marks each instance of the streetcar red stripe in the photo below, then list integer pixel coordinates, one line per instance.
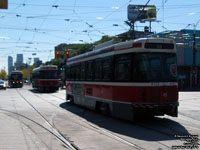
(145, 94)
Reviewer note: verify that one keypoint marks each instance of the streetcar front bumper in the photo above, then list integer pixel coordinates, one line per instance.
(170, 109)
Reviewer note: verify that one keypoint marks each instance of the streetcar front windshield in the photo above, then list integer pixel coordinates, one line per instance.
(16, 77)
(48, 74)
(155, 67)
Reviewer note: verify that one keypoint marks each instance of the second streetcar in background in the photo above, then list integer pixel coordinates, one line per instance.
(15, 79)
(45, 78)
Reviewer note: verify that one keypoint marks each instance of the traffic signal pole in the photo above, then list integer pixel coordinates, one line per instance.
(194, 49)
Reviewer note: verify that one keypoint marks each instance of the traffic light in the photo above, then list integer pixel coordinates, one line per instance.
(67, 54)
(57, 55)
(62, 68)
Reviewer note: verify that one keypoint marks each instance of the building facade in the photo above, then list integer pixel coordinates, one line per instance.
(10, 64)
(37, 62)
(19, 65)
(19, 59)
(188, 56)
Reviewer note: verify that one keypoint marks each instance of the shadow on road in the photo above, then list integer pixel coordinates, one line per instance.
(155, 129)
(39, 92)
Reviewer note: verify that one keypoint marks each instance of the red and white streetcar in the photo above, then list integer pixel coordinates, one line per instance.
(45, 78)
(126, 79)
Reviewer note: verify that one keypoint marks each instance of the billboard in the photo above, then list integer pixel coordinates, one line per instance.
(141, 13)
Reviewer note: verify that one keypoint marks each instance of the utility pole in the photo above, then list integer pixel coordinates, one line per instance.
(194, 48)
(29, 71)
(194, 68)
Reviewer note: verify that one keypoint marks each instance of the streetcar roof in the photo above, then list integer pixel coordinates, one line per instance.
(46, 67)
(127, 47)
(16, 72)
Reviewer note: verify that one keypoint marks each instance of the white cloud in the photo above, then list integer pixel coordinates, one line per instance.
(99, 18)
(192, 13)
(5, 38)
(115, 7)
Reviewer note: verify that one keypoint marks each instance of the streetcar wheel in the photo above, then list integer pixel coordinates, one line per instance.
(104, 108)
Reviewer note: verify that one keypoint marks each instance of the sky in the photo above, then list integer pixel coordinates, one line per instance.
(28, 26)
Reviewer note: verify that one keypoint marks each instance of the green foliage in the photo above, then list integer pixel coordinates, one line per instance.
(3, 74)
(54, 62)
(106, 39)
(25, 73)
(76, 49)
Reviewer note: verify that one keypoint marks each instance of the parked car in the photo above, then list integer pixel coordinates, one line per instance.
(2, 84)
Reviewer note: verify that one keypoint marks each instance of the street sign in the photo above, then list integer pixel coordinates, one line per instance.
(3, 4)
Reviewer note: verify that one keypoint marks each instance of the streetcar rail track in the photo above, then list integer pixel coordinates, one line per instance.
(107, 133)
(97, 129)
(55, 132)
(111, 135)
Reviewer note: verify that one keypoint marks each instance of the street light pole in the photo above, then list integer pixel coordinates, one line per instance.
(194, 69)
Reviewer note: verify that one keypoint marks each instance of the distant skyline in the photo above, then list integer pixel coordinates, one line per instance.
(37, 26)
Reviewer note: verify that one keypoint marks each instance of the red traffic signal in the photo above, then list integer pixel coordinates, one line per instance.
(67, 52)
(57, 54)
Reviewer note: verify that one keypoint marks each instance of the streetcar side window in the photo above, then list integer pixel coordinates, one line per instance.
(123, 68)
(82, 71)
(107, 69)
(33, 75)
(37, 75)
(72, 73)
(67, 72)
(77, 72)
(97, 70)
(89, 70)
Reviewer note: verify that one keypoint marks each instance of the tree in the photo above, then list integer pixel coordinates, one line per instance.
(25, 73)
(3, 74)
(31, 69)
(106, 39)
